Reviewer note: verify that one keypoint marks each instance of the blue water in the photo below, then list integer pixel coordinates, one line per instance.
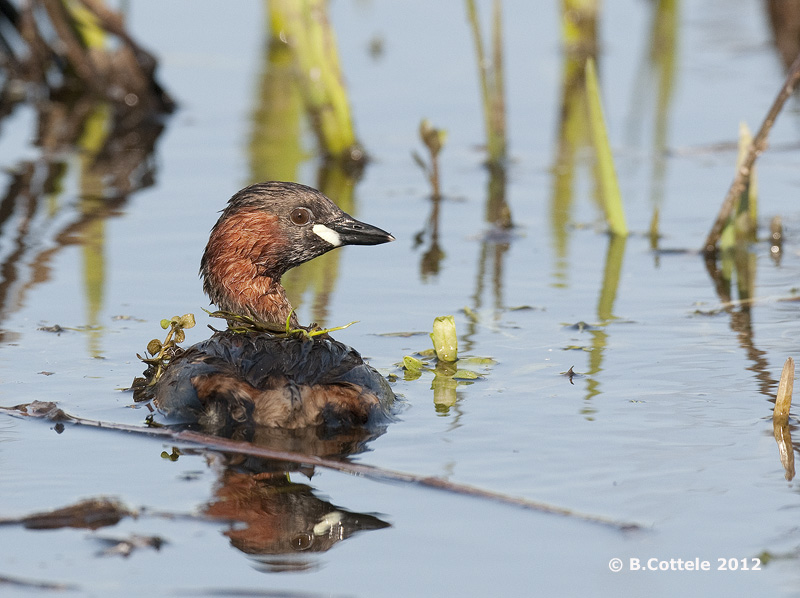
(667, 426)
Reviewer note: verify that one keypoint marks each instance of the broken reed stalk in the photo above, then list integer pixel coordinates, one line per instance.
(51, 412)
(780, 419)
(607, 176)
(492, 82)
(579, 26)
(783, 400)
(757, 146)
(304, 26)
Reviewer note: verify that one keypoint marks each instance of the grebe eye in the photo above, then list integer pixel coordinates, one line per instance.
(300, 216)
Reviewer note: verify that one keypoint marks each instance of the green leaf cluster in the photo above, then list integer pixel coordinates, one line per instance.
(160, 354)
(442, 361)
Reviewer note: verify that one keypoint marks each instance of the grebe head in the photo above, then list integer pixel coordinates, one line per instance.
(265, 230)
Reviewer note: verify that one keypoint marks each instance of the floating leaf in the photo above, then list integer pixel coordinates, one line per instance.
(154, 346)
(466, 375)
(444, 338)
(180, 335)
(173, 456)
(187, 321)
(478, 360)
(165, 323)
(412, 364)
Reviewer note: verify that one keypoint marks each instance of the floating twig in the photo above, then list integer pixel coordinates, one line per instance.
(50, 411)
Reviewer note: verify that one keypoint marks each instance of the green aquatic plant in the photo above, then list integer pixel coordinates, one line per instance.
(240, 324)
(445, 340)
(434, 140)
(449, 371)
(161, 353)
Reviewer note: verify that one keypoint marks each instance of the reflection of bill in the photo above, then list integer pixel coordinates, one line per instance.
(282, 521)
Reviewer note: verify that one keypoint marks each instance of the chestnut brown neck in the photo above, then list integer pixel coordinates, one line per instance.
(234, 275)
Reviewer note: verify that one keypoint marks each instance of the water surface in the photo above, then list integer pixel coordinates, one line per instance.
(668, 424)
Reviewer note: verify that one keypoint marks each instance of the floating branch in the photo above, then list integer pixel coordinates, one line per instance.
(757, 146)
(51, 412)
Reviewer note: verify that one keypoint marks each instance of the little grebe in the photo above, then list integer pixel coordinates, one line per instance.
(235, 379)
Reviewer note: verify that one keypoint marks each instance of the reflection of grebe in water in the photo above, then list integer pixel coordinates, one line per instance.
(280, 523)
(257, 380)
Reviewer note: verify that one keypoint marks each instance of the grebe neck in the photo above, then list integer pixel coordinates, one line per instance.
(236, 270)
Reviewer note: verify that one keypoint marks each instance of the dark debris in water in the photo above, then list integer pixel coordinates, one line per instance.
(580, 326)
(55, 329)
(93, 513)
(124, 547)
(403, 334)
(37, 585)
(525, 308)
(43, 409)
(571, 373)
(126, 318)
